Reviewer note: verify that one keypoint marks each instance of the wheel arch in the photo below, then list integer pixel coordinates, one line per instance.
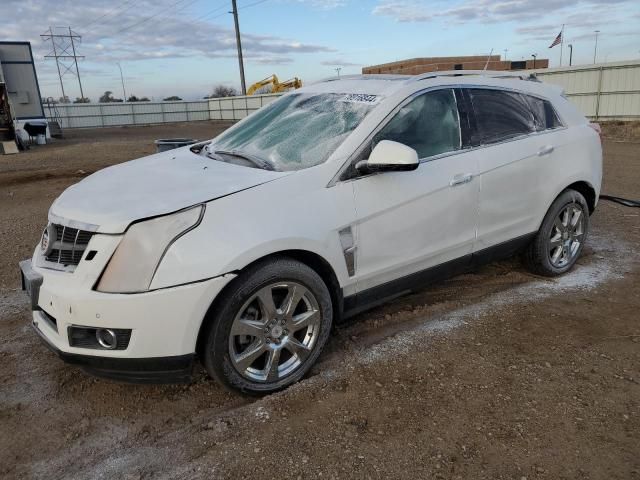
(587, 191)
(313, 260)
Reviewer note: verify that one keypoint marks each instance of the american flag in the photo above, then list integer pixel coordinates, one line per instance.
(557, 41)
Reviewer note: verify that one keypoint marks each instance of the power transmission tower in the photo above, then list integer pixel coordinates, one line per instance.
(239, 44)
(64, 51)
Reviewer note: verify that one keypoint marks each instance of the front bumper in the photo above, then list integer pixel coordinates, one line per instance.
(156, 370)
(164, 324)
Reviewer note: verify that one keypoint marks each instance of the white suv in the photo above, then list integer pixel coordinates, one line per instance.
(245, 249)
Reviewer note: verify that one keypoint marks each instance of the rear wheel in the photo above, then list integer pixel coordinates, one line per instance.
(561, 237)
(270, 327)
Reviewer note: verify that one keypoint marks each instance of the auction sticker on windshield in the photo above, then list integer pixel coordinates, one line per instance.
(361, 98)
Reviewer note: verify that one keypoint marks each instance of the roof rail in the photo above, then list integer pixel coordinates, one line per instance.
(482, 73)
(365, 76)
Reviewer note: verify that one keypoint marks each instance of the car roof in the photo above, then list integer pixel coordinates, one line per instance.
(386, 85)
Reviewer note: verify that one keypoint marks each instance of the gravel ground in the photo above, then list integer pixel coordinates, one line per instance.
(495, 374)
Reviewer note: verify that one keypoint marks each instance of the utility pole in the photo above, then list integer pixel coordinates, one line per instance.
(534, 55)
(239, 44)
(55, 53)
(64, 52)
(338, 71)
(124, 92)
(570, 53)
(595, 49)
(73, 48)
(505, 54)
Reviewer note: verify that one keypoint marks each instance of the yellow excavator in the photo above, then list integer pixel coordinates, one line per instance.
(276, 85)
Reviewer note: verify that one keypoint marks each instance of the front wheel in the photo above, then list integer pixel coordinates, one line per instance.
(269, 328)
(561, 237)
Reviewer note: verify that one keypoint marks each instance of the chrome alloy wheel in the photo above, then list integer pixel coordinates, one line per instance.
(274, 332)
(567, 235)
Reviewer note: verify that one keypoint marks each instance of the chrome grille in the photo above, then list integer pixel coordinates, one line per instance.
(69, 245)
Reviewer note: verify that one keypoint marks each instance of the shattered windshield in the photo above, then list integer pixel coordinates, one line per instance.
(297, 131)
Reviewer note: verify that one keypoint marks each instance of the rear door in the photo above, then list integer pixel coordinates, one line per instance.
(509, 154)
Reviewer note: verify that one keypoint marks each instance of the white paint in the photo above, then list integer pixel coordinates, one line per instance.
(114, 197)
(403, 221)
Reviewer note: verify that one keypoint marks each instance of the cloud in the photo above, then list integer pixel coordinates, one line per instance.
(487, 11)
(323, 4)
(109, 35)
(403, 11)
(261, 60)
(338, 62)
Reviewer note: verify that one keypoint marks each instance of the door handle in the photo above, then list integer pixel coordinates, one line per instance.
(546, 150)
(460, 179)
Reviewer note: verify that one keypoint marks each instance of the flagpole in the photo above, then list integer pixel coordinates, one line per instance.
(561, 43)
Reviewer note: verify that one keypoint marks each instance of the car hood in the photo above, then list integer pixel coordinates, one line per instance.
(110, 199)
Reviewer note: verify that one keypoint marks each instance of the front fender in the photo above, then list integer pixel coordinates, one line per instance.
(243, 228)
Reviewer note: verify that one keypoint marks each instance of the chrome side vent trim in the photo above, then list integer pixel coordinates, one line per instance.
(347, 242)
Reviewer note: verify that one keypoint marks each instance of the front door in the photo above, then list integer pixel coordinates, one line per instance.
(408, 222)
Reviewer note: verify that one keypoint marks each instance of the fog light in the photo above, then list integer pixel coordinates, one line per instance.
(98, 337)
(107, 338)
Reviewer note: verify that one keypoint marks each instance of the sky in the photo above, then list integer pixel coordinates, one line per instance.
(186, 47)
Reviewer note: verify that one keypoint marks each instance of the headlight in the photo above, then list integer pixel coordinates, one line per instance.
(138, 255)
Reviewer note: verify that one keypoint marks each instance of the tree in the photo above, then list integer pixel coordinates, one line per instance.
(172, 98)
(133, 98)
(223, 91)
(64, 99)
(82, 100)
(107, 97)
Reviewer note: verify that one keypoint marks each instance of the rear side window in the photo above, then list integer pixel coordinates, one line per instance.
(500, 115)
(428, 123)
(544, 115)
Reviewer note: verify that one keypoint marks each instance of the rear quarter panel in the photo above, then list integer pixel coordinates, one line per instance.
(577, 158)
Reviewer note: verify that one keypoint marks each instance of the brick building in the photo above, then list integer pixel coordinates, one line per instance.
(415, 66)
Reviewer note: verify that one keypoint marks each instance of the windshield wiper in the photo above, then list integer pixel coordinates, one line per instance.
(260, 162)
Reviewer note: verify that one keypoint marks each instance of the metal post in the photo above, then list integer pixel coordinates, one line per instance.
(570, 53)
(124, 92)
(239, 44)
(595, 49)
(505, 54)
(73, 46)
(338, 71)
(55, 53)
(599, 92)
(534, 55)
(561, 43)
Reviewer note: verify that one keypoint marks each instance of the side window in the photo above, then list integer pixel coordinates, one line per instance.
(500, 115)
(544, 115)
(551, 116)
(428, 123)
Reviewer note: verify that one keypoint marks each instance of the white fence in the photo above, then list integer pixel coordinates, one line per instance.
(86, 115)
(608, 91)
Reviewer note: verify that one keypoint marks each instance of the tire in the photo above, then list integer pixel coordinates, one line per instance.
(561, 237)
(258, 346)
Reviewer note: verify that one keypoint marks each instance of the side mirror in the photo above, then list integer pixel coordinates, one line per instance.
(389, 156)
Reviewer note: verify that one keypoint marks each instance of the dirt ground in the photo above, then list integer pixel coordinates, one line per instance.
(497, 374)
